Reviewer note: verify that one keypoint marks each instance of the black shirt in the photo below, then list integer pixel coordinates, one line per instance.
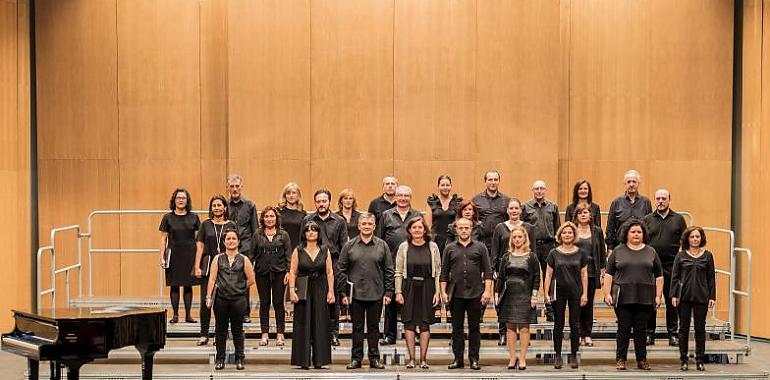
(465, 268)
(392, 229)
(501, 238)
(595, 251)
(633, 274)
(441, 219)
(352, 225)
(621, 210)
(244, 214)
(213, 238)
(694, 279)
(291, 221)
(369, 266)
(492, 211)
(665, 235)
(271, 256)
(334, 231)
(596, 213)
(231, 282)
(567, 269)
(379, 205)
(544, 216)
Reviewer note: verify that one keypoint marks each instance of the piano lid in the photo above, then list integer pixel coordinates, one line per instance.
(52, 315)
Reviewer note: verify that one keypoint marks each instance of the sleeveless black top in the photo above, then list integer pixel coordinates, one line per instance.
(231, 281)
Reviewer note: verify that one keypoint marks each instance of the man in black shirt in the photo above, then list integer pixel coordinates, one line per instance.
(630, 204)
(466, 281)
(544, 215)
(366, 263)
(387, 200)
(492, 206)
(665, 227)
(333, 235)
(243, 213)
(391, 228)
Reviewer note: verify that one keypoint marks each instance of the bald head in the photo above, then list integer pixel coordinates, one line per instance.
(631, 181)
(538, 190)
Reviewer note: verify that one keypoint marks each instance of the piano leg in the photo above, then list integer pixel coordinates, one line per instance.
(33, 367)
(73, 368)
(147, 354)
(55, 370)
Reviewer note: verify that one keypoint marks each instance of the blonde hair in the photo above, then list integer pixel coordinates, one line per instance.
(346, 193)
(564, 226)
(525, 246)
(282, 199)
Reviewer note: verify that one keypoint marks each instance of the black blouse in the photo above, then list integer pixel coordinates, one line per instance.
(441, 219)
(693, 279)
(596, 213)
(271, 256)
(633, 274)
(291, 220)
(567, 268)
(352, 224)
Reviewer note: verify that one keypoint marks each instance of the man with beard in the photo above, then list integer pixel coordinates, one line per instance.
(492, 207)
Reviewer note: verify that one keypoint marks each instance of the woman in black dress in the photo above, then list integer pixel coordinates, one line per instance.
(177, 250)
(567, 276)
(582, 195)
(633, 284)
(693, 292)
(231, 277)
(311, 343)
(418, 266)
(347, 207)
(272, 250)
(292, 211)
(209, 243)
(443, 211)
(516, 293)
(590, 240)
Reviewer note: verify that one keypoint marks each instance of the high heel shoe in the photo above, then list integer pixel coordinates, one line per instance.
(424, 365)
(410, 364)
(202, 341)
(264, 342)
(522, 367)
(279, 342)
(515, 364)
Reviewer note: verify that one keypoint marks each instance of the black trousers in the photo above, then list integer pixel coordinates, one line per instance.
(672, 317)
(459, 307)
(204, 311)
(542, 248)
(365, 312)
(391, 321)
(271, 290)
(559, 311)
(587, 311)
(334, 309)
(699, 311)
(232, 312)
(632, 316)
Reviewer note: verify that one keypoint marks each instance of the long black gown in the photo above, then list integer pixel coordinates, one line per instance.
(311, 343)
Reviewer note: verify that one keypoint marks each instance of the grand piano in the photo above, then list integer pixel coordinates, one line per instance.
(71, 337)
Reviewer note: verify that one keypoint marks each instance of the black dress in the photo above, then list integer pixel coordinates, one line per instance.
(181, 239)
(352, 224)
(311, 341)
(442, 218)
(518, 277)
(419, 287)
(291, 220)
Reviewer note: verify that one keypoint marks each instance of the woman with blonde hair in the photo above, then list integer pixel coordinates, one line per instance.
(516, 293)
(292, 211)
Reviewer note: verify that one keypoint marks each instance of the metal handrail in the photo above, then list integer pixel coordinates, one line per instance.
(690, 218)
(730, 274)
(747, 294)
(54, 271)
(92, 250)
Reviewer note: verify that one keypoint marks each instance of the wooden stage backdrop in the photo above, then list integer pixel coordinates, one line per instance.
(138, 97)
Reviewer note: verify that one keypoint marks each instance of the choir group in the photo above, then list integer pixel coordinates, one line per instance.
(465, 253)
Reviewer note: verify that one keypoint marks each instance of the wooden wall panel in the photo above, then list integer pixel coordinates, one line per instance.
(351, 52)
(269, 95)
(14, 157)
(518, 79)
(160, 144)
(434, 91)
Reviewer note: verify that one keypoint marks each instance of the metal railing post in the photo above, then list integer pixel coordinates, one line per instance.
(747, 294)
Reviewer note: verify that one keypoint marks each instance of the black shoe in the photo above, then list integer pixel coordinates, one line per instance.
(219, 365)
(475, 365)
(549, 317)
(573, 361)
(455, 365)
(673, 341)
(650, 341)
(354, 364)
(246, 319)
(375, 363)
(335, 340)
(190, 320)
(502, 340)
(239, 364)
(174, 319)
(700, 366)
(387, 341)
(684, 366)
(558, 362)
